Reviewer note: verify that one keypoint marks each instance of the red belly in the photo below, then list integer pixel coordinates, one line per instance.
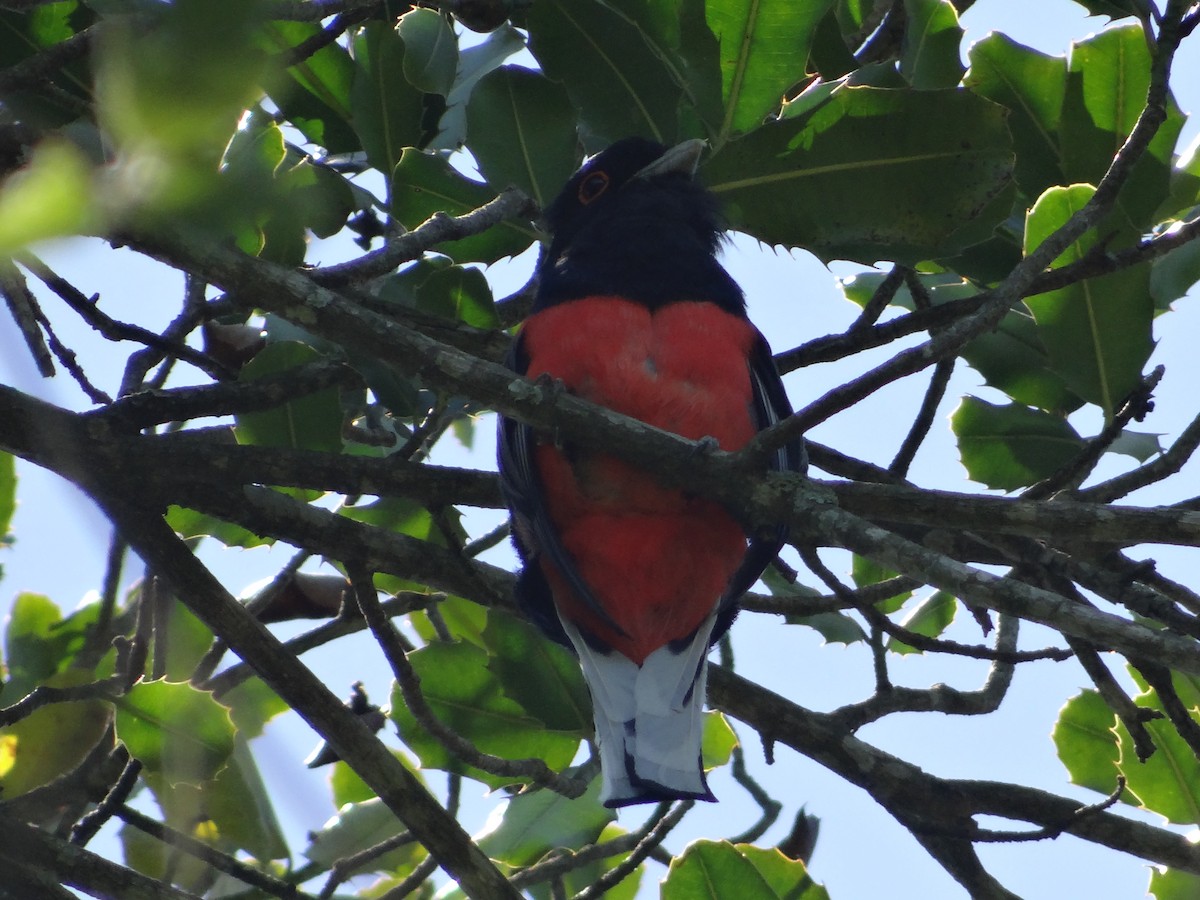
(656, 559)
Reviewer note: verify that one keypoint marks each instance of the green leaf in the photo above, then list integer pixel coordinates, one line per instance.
(189, 524)
(182, 639)
(251, 705)
(1108, 76)
(619, 84)
(718, 741)
(1086, 741)
(314, 94)
(1138, 444)
(430, 50)
(468, 698)
(53, 740)
(39, 642)
(1097, 332)
(355, 827)
(932, 37)
(583, 877)
(386, 109)
(8, 495)
(1167, 783)
(522, 131)
(312, 422)
(1174, 884)
(51, 196)
(424, 184)
(540, 675)
(834, 627)
(763, 50)
(460, 294)
(473, 63)
(1117, 9)
(172, 84)
(1011, 446)
(942, 158)
(1174, 274)
(866, 571)
(537, 822)
(179, 733)
(347, 787)
(1011, 358)
(1031, 85)
(239, 806)
(719, 869)
(930, 618)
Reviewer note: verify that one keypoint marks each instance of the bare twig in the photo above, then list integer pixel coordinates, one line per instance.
(435, 230)
(532, 769)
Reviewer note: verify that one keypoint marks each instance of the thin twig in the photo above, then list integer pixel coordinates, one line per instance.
(983, 835)
(644, 848)
(85, 829)
(222, 862)
(435, 230)
(531, 769)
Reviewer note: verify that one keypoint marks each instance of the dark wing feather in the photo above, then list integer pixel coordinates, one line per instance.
(771, 405)
(533, 533)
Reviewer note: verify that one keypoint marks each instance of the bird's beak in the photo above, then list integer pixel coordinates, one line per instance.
(682, 158)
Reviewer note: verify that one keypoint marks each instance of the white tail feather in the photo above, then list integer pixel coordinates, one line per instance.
(649, 718)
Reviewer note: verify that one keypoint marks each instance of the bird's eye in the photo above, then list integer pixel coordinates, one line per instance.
(592, 187)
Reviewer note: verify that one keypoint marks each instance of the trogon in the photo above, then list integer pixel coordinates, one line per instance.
(634, 312)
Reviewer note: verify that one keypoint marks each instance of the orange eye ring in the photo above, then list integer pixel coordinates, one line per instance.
(592, 187)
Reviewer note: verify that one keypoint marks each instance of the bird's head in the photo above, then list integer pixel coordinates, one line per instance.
(634, 184)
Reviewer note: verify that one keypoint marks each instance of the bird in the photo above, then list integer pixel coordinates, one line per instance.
(633, 311)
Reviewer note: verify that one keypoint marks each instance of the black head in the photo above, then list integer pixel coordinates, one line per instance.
(635, 222)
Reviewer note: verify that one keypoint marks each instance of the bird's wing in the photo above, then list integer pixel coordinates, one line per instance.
(771, 405)
(535, 534)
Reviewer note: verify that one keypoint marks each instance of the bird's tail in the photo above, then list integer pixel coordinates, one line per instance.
(649, 719)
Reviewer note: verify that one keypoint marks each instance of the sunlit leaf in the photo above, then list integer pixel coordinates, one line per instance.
(239, 806)
(386, 109)
(1174, 884)
(53, 740)
(1011, 446)
(719, 869)
(424, 184)
(39, 642)
(929, 618)
(467, 697)
(356, 827)
(49, 197)
(1097, 331)
(1086, 741)
(430, 50)
(460, 294)
(314, 94)
(718, 741)
(1108, 76)
(1168, 782)
(1031, 85)
(618, 83)
(522, 132)
(312, 422)
(543, 677)
(535, 823)
(8, 495)
(179, 733)
(942, 158)
(931, 45)
(763, 50)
